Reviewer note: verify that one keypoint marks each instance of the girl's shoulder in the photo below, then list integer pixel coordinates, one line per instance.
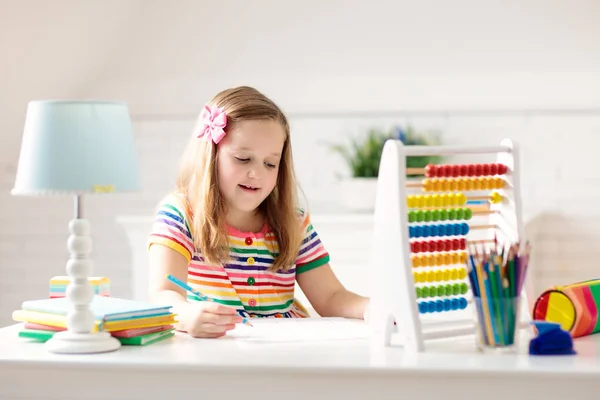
(177, 203)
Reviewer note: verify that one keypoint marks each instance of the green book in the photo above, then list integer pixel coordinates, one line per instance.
(142, 340)
(148, 338)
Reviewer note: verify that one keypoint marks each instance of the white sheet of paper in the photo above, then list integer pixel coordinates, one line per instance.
(300, 330)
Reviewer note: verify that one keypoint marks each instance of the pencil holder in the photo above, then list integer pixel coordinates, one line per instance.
(496, 323)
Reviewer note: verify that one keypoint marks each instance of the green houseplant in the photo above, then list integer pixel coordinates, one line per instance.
(362, 157)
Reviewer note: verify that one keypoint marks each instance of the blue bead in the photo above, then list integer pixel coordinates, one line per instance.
(422, 307)
(462, 303)
(421, 231)
(454, 303)
(411, 231)
(453, 229)
(426, 231)
(447, 305)
(465, 228)
(439, 305)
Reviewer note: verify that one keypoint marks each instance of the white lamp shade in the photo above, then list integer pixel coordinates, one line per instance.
(75, 147)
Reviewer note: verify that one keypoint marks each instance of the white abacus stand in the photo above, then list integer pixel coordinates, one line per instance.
(392, 287)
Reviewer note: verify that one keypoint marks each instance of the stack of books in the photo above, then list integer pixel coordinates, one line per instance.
(131, 322)
(58, 286)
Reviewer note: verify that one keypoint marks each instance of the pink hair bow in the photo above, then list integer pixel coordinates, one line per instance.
(213, 121)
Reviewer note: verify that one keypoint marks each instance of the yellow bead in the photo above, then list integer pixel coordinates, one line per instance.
(461, 199)
(436, 200)
(462, 274)
(427, 200)
(496, 198)
(438, 275)
(446, 274)
(430, 276)
(454, 274)
(410, 201)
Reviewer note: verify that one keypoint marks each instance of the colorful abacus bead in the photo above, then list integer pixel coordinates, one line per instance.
(426, 307)
(468, 183)
(417, 231)
(425, 246)
(438, 259)
(439, 171)
(439, 215)
(445, 275)
(436, 200)
(442, 290)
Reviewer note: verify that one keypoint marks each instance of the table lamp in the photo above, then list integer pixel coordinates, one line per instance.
(77, 147)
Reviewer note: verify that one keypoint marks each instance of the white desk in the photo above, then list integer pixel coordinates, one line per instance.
(227, 368)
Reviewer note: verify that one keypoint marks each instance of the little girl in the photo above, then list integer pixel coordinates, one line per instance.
(233, 229)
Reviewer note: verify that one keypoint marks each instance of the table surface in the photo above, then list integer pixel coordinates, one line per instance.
(182, 357)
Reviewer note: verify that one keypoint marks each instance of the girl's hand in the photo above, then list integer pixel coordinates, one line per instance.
(210, 320)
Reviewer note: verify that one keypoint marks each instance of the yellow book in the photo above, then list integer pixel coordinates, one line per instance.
(60, 321)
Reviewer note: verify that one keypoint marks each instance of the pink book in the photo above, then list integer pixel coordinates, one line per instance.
(127, 333)
(32, 325)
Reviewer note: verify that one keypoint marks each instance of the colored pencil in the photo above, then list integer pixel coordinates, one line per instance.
(202, 297)
(497, 275)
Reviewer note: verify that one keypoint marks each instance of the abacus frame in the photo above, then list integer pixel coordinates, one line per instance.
(393, 309)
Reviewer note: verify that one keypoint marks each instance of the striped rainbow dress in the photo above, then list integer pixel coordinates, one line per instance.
(245, 283)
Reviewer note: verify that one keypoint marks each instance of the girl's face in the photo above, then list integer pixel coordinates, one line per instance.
(248, 163)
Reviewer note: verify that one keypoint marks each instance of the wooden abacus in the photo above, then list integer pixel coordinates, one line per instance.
(422, 230)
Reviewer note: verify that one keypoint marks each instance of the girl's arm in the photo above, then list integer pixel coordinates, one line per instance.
(328, 296)
(164, 260)
(205, 319)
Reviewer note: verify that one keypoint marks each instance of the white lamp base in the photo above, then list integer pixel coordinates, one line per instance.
(81, 336)
(67, 342)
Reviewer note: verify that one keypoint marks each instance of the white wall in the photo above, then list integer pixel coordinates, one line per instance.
(325, 63)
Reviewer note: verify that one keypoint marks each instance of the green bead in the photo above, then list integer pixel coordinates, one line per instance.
(455, 289)
(468, 213)
(425, 291)
(463, 288)
(428, 215)
(460, 213)
(441, 290)
(436, 215)
(448, 290)
(452, 214)
(412, 217)
(420, 216)
(443, 215)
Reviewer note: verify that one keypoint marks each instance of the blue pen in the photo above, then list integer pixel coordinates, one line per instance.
(202, 297)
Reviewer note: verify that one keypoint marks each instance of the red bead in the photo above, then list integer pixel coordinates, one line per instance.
(446, 170)
(412, 247)
(455, 170)
(464, 170)
(486, 169)
(478, 169)
(502, 169)
(456, 244)
(463, 244)
(471, 169)
(493, 169)
(430, 170)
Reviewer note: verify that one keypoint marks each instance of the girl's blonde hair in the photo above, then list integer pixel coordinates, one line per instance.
(197, 182)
